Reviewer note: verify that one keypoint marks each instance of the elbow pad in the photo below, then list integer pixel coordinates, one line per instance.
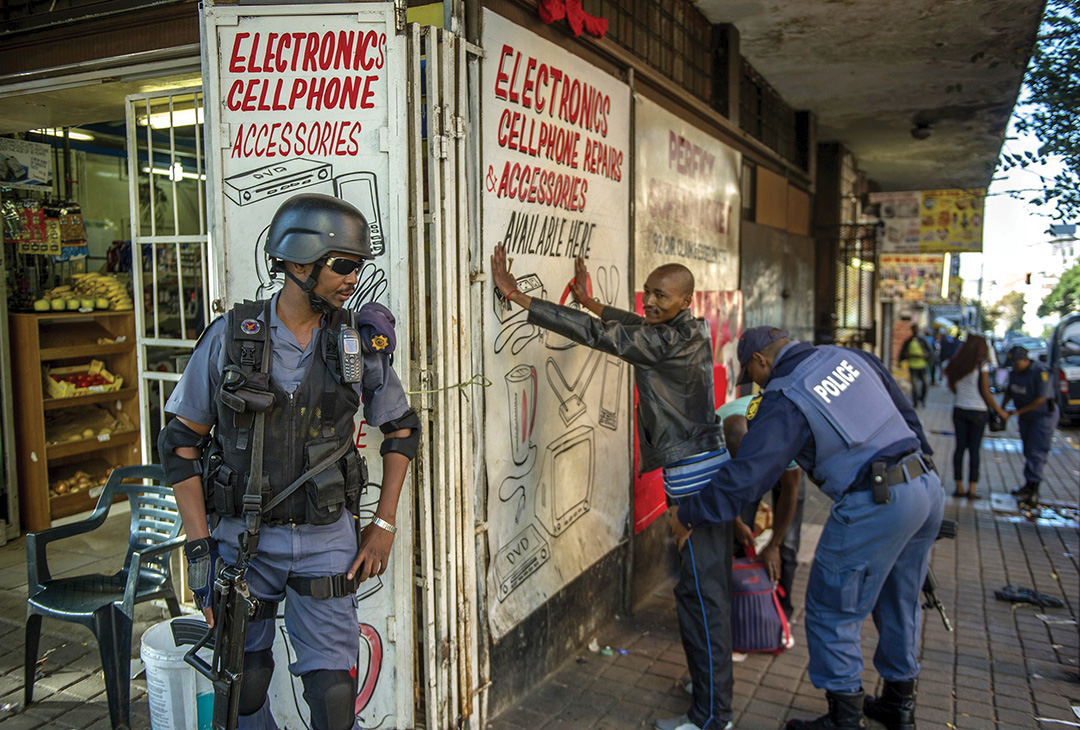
(177, 435)
(407, 445)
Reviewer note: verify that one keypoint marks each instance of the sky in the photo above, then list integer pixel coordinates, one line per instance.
(1013, 228)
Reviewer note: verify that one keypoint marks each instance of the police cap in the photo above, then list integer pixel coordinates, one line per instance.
(1016, 353)
(755, 340)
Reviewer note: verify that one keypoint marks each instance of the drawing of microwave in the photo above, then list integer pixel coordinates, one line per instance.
(562, 496)
(520, 558)
(360, 189)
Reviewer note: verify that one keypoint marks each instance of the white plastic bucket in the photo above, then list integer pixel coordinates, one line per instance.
(180, 698)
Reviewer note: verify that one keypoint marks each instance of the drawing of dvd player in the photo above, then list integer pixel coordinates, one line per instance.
(562, 496)
(526, 285)
(276, 179)
(519, 559)
(360, 189)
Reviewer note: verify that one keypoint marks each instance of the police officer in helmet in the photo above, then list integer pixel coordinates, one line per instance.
(840, 415)
(1032, 390)
(262, 455)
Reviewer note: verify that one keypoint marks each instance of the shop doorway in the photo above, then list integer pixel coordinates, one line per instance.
(170, 254)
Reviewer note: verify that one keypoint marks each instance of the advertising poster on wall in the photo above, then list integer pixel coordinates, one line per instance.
(555, 135)
(900, 213)
(25, 165)
(910, 277)
(931, 221)
(687, 206)
(309, 99)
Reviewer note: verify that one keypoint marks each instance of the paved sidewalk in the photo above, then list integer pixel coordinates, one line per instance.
(1000, 669)
(1004, 666)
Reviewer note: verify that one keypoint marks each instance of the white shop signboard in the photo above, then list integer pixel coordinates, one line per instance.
(555, 166)
(687, 200)
(311, 99)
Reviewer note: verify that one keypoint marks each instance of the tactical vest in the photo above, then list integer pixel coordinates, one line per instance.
(849, 411)
(301, 429)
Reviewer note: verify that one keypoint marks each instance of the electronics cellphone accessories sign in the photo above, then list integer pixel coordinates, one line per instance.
(305, 103)
(555, 135)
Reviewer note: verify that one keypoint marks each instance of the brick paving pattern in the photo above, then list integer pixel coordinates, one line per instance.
(1003, 667)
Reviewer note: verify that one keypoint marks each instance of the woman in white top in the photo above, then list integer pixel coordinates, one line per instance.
(968, 376)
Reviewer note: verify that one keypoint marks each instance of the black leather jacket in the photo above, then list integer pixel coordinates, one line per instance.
(673, 368)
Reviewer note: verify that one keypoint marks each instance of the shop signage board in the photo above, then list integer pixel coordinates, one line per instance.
(687, 205)
(931, 221)
(910, 277)
(555, 134)
(311, 99)
(25, 165)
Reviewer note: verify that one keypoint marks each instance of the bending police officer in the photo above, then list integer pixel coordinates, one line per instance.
(270, 395)
(1032, 390)
(840, 415)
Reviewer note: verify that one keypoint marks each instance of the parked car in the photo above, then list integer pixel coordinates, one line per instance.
(1065, 365)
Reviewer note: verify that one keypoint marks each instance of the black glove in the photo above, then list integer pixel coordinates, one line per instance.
(203, 566)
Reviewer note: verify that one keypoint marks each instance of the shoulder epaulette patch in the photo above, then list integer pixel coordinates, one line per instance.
(751, 408)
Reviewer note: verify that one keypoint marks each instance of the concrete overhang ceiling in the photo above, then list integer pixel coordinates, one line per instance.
(871, 71)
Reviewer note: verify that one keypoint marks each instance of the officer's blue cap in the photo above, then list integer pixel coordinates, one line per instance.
(754, 340)
(1016, 352)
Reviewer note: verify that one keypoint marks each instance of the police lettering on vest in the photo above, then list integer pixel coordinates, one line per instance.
(836, 382)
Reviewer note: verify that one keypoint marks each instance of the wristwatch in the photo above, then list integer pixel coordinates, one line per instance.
(380, 522)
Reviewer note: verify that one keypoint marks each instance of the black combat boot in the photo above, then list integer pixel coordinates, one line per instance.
(1024, 492)
(845, 713)
(895, 709)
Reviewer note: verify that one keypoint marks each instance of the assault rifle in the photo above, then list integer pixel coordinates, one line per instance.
(234, 606)
(929, 588)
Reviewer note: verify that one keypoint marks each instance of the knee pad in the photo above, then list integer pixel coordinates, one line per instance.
(331, 697)
(258, 669)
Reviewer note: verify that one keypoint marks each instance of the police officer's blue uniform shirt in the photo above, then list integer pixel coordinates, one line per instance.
(384, 398)
(1035, 382)
(779, 433)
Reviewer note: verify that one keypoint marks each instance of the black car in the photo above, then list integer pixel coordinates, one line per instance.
(1065, 365)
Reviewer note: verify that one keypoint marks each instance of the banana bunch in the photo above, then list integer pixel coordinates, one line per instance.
(103, 288)
(59, 292)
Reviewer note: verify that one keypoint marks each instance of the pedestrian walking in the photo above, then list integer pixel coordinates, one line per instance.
(968, 377)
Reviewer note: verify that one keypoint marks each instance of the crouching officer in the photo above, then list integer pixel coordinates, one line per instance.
(841, 416)
(263, 444)
(1032, 390)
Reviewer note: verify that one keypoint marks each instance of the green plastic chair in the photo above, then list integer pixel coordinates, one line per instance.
(105, 603)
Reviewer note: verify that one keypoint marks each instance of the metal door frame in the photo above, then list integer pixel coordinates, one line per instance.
(180, 243)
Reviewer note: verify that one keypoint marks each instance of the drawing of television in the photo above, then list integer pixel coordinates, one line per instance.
(361, 189)
(520, 558)
(562, 496)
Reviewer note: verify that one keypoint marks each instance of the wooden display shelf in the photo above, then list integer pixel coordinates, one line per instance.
(52, 404)
(70, 336)
(89, 445)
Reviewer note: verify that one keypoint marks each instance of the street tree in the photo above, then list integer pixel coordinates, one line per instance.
(1053, 84)
(1065, 297)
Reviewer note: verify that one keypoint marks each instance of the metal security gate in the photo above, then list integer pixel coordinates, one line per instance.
(856, 277)
(169, 242)
(443, 260)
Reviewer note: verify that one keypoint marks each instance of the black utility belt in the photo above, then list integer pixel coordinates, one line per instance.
(883, 476)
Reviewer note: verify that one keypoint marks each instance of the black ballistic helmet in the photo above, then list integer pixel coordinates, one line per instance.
(310, 226)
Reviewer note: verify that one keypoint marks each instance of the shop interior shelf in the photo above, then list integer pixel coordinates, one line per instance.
(89, 445)
(51, 404)
(67, 343)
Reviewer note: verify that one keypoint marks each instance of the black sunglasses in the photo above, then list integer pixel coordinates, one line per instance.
(343, 266)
